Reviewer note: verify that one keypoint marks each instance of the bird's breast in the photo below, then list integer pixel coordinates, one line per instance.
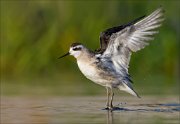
(87, 69)
(90, 70)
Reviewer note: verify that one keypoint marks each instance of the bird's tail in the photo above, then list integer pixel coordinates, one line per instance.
(128, 88)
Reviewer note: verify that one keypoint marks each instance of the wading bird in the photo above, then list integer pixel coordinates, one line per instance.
(108, 66)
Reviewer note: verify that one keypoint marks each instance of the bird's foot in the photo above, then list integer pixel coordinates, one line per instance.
(113, 108)
(109, 108)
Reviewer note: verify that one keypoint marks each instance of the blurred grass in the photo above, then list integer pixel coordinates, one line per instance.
(35, 33)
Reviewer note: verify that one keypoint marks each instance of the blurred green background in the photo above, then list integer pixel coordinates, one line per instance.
(34, 33)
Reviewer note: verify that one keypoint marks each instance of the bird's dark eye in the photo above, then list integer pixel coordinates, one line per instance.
(76, 48)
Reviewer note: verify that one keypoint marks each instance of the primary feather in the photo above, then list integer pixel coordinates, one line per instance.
(132, 38)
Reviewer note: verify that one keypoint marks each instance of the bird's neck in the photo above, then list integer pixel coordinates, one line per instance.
(86, 56)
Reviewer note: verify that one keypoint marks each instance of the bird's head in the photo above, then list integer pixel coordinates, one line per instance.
(75, 50)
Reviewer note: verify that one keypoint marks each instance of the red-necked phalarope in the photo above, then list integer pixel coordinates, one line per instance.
(108, 66)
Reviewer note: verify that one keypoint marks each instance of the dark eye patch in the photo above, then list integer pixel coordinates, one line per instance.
(76, 48)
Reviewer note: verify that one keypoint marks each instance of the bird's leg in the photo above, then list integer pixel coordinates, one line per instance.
(108, 93)
(112, 95)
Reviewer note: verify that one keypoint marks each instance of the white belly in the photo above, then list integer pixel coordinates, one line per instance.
(91, 73)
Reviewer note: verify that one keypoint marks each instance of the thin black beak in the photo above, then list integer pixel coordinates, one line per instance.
(63, 55)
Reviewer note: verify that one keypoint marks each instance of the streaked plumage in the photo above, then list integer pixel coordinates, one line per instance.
(108, 66)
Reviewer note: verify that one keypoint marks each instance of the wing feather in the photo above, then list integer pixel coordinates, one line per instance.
(132, 38)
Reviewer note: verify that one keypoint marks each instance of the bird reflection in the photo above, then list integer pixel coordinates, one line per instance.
(109, 117)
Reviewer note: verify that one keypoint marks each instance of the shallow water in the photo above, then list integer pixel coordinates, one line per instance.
(89, 110)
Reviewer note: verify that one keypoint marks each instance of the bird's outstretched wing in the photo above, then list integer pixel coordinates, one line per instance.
(106, 35)
(117, 43)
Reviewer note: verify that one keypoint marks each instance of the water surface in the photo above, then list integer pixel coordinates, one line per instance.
(89, 110)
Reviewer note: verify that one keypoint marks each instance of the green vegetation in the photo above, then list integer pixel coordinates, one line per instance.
(35, 33)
